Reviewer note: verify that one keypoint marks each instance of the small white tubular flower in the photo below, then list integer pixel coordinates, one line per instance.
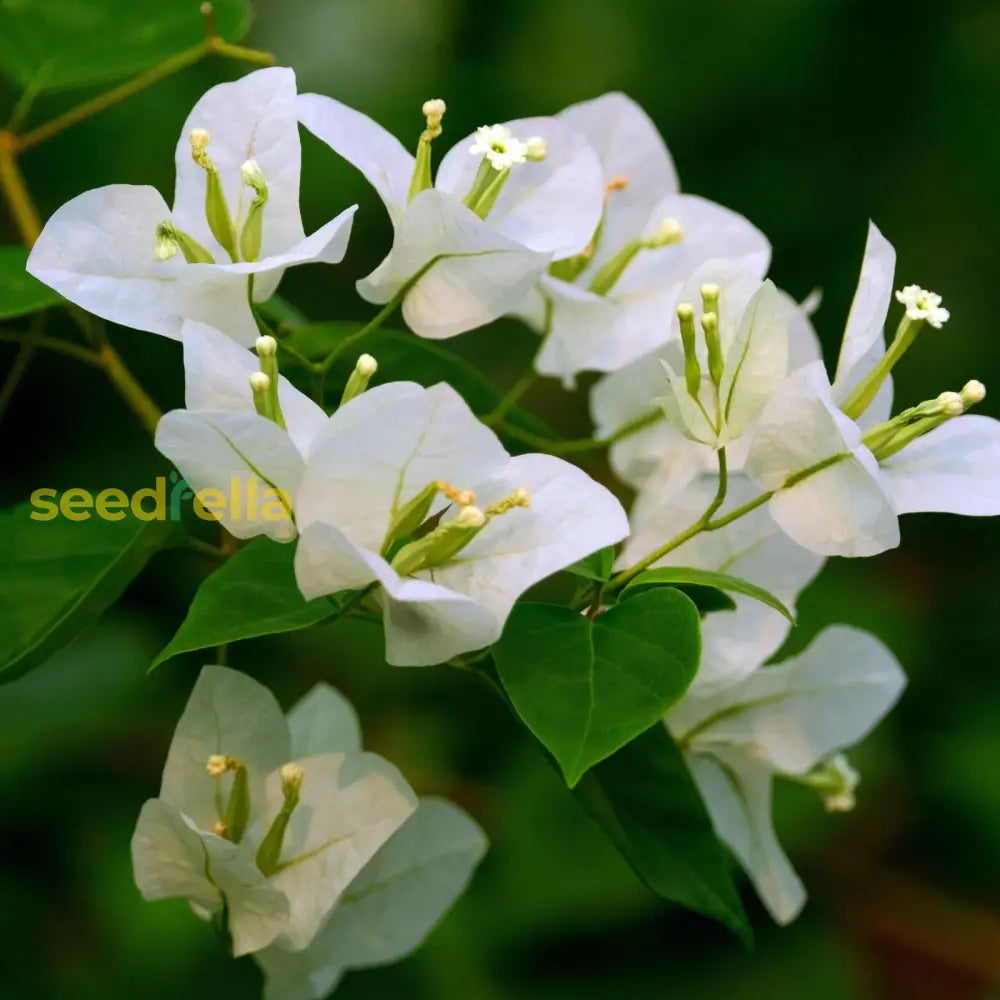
(105, 250)
(462, 271)
(500, 146)
(401, 893)
(245, 467)
(346, 806)
(533, 516)
(781, 720)
(921, 304)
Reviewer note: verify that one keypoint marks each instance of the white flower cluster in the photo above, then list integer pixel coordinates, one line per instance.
(714, 395)
(295, 841)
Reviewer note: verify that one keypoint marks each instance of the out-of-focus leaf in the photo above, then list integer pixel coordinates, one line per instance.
(20, 293)
(667, 576)
(58, 44)
(586, 688)
(403, 356)
(57, 576)
(252, 594)
(644, 798)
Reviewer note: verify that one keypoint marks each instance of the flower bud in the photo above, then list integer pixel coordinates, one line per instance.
(536, 149)
(973, 392)
(266, 346)
(252, 234)
(950, 404)
(291, 780)
(470, 517)
(364, 368)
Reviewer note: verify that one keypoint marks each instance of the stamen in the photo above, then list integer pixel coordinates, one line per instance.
(220, 222)
(461, 497)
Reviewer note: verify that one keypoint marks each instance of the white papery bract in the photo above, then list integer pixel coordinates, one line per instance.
(841, 500)
(781, 720)
(460, 271)
(754, 322)
(350, 804)
(378, 453)
(98, 249)
(220, 443)
(588, 329)
(389, 909)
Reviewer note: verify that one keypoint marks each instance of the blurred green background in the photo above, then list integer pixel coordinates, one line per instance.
(809, 116)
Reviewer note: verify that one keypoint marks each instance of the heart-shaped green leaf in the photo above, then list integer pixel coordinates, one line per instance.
(252, 594)
(586, 688)
(666, 576)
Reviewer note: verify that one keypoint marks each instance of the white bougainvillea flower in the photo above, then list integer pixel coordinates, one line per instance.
(735, 361)
(628, 398)
(463, 256)
(264, 822)
(389, 909)
(841, 480)
(122, 253)
(611, 304)
(244, 467)
(787, 720)
(384, 469)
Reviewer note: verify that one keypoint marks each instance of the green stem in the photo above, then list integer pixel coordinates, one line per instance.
(324, 366)
(27, 340)
(702, 524)
(521, 386)
(578, 444)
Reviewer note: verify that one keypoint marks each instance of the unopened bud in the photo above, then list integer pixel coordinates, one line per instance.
(291, 780)
(252, 175)
(266, 346)
(470, 517)
(668, 232)
(260, 382)
(422, 178)
(220, 829)
(973, 392)
(716, 363)
(217, 764)
(535, 148)
(166, 246)
(692, 367)
(951, 404)
(170, 239)
(357, 383)
(434, 111)
(199, 139)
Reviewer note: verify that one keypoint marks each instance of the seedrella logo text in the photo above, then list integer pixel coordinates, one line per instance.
(246, 499)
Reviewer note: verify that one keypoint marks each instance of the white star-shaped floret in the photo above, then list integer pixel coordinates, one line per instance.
(922, 304)
(499, 146)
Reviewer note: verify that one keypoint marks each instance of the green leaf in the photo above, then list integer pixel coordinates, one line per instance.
(586, 688)
(648, 805)
(252, 594)
(404, 356)
(20, 293)
(666, 576)
(598, 566)
(57, 576)
(58, 44)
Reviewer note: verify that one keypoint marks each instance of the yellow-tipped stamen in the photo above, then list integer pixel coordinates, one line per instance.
(232, 825)
(220, 221)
